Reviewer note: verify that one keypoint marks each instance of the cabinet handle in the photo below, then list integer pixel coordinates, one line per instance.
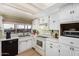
(51, 44)
(51, 47)
(71, 42)
(71, 48)
(59, 51)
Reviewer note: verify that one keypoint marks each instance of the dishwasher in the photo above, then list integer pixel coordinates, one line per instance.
(10, 47)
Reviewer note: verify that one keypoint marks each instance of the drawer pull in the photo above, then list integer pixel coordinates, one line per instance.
(51, 44)
(51, 47)
(71, 42)
(72, 49)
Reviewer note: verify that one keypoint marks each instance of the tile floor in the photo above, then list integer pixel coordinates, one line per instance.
(30, 52)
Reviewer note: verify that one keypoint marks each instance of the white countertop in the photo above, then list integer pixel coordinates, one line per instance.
(3, 39)
(20, 38)
(48, 39)
(25, 38)
(53, 40)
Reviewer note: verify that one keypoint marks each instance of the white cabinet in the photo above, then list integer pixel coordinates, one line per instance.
(44, 20)
(33, 42)
(66, 13)
(28, 44)
(54, 22)
(24, 45)
(69, 46)
(65, 50)
(70, 41)
(69, 13)
(76, 51)
(1, 27)
(35, 24)
(76, 11)
(52, 49)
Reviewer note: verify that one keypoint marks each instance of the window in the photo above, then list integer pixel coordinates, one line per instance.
(29, 26)
(20, 26)
(26, 26)
(8, 26)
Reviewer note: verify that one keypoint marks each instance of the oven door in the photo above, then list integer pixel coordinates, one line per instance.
(40, 44)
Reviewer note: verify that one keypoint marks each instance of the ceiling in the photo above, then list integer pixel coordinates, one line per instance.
(22, 11)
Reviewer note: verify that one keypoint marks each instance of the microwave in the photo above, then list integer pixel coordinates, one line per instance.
(71, 33)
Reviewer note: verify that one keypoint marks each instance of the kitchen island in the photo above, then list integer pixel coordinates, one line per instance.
(24, 43)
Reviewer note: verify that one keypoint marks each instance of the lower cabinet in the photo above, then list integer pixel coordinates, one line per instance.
(33, 42)
(52, 49)
(75, 51)
(65, 50)
(55, 49)
(24, 45)
(29, 44)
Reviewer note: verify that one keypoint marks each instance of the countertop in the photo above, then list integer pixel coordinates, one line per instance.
(4, 39)
(19, 38)
(31, 37)
(48, 39)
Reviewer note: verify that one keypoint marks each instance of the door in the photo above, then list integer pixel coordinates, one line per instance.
(65, 50)
(52, 49)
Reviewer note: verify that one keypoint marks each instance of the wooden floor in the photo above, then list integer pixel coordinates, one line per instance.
(30, 52)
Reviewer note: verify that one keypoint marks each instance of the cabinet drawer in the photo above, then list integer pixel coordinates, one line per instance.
(51, 44)
(69, 40)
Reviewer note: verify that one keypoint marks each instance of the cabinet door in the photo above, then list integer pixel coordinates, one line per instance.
(54, 22)
(76, 11)
(33, 42)
(52, 49)
(65, 50)
(29, 44)
(76, 52)
(22, 46)
(35, 24)
(46, 19)
(66, 13)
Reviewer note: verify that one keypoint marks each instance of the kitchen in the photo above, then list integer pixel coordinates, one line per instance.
(43, 29)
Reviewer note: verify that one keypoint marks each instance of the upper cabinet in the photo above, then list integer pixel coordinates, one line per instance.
(44, 20)
(75, 11)
(35, 24)
(69, 13)
(54, 22)
(65, 13)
